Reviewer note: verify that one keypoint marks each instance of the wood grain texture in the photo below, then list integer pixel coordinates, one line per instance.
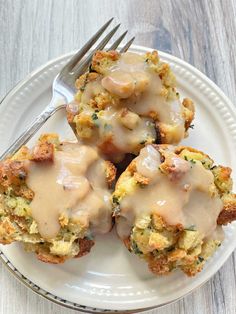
(202, 32)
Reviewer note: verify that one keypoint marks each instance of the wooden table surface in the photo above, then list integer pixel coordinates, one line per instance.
(202, 32)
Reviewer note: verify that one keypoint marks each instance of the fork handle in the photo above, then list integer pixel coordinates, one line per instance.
(31, 130)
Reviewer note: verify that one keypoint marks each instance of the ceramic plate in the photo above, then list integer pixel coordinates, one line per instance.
(110, 279)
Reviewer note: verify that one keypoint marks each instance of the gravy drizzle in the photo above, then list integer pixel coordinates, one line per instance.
(74, 185)
(184, 197)
(139, 91)
(139, 88)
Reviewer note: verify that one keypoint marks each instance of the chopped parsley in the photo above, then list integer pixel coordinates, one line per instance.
(191, 228)
(135, 248)
(94, 116)
(91, 69)
(191, 160)
(115, 200)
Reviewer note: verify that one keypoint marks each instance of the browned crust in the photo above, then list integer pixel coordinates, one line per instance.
(113, 55)
(12, 172)
(85, 78)
(188, 104)
(6, 231)
(110, 173)
(25, 192)
(141, 179)
(192, 272)
(49, 258)
(225, 173)
(179, 149)
(127, 243)
(85, 246)
(163, 70)
(43, 152)
(228, 214)
(159, 266)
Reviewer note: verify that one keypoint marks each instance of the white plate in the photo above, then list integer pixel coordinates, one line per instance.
(110, 278)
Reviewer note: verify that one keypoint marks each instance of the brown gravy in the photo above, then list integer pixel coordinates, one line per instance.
(138, 88)
(74, 184)
(186, 199)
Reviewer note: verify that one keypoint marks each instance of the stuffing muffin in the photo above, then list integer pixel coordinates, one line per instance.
(55, 198)
(170, 205)
(126, 101)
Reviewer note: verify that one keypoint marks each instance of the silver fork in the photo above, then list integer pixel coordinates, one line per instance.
(63, 89)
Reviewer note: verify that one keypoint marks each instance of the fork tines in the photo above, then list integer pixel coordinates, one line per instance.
(80, 61)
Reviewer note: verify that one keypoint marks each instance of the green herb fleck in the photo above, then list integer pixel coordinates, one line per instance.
(201, 259)
(94, 116)
(91, 69)
(115, 200)
(82, 88)
(191, 228)
(169, 249)
(135, 248)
